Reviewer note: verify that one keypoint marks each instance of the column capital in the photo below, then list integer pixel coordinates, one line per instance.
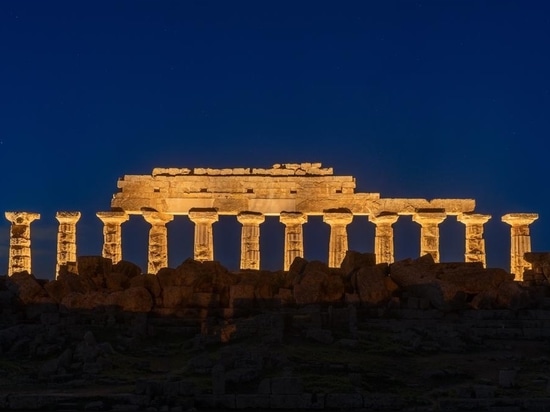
(203, 215)
(156, 218)
(429, 217)
(473, 218)
(22, 218)
(113, 217)
(384, 218)
(67, 217)
(293, 218)
(337, 216)
(248, 217)
(518, 219)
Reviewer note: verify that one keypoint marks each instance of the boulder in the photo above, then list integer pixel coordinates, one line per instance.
(127, 269)
(373, 285)
(332, 288)
(94, 268)
(242, 295)
(136, 299)
(89, 301)
(149, 282)
(298, 265)
(307, 287)
(413, 271)
(26, 288)
(116, 281)
(511, 295)
(474, 279)
(354, 260)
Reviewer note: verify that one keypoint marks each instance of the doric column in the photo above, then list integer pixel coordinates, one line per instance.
(338, 245)
(112, 234)
(520, 241)
(204, 241)
(20, 241)
(383, 239)
(429, 232)
(158, 240)
(66, 238)
(474, 250)
(250, 239)
(294, 237)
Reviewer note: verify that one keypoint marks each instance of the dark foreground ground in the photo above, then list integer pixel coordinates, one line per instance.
(313, 357)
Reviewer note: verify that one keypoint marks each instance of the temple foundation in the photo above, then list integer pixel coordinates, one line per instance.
(66, 238)
(338, 243)
(204, 240)
(294, 237)
(20, 241)
(474, 250)
(429, 232)
(112, 234)
(520, 241)
(383, 240)
(250, 239)
(157, 257)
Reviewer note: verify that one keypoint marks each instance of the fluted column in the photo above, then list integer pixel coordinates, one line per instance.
(66, 238)
(112, 234)
(158, 240)
(338, 243)
(520, 241)
(429, 232)
(474, 250)
(294, 237)
(250, 239)
(383, 239)
(20, 241)
(204, 240)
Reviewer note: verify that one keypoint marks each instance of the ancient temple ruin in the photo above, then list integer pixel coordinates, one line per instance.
(293, 192)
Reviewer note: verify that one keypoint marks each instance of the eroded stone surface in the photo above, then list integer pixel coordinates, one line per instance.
(520, 241)
(20, 241)
(112, 234)
(66, 238)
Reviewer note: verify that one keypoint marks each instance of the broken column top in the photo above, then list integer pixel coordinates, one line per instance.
(520, 218)
(278, 169)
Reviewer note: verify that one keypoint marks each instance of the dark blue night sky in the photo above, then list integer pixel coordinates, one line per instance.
(413, 98)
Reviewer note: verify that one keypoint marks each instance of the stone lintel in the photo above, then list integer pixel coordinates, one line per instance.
(473, 218)
(22, 218)
(518, 219)
(293, 218)
(337, 216)
(67, 217)
(203, 215)
(157, 218)
(248, 217)
(116, 217)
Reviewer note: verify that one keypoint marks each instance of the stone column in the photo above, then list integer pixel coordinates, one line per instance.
(112, 234)
(338, 243)
(294, 237)
(383, 239)
(250, 239)
(474, 250)
(20, 241)
(158, 240)
(429, 232)
(204, 241)
(520, 241)
(66, 238)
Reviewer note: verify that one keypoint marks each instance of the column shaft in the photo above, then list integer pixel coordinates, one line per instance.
(204, 240)
(112, 234)
(294, 238)
(383, 239)
(520, 241)
(158, 240)
(20, 241)
(338, 243)
(66, 238)
(250, 239)
(429, 232)
(474, 250)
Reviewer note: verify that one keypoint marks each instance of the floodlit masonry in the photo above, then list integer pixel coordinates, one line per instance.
(290, 191)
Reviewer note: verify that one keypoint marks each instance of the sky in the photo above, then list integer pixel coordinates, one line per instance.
(427, 99)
